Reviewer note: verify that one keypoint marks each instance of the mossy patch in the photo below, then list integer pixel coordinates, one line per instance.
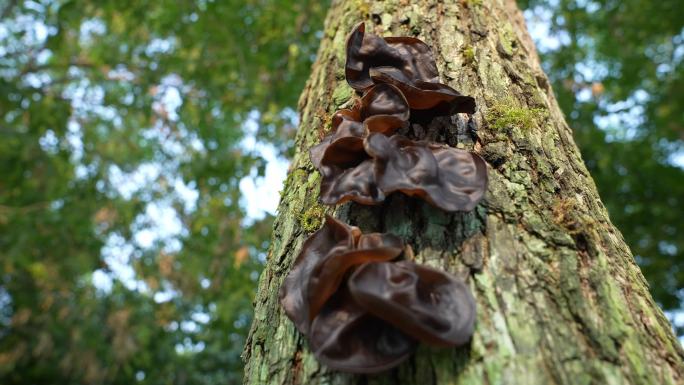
(341, 94)
(507, 42)
(312, 219)
(295, 177)
(472, 3)
(508, 115)
(363, 7)
(469, 54)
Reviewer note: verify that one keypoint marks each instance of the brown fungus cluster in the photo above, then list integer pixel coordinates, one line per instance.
(373, 320)
(405, 62)
(427, 304)
(362, 310)
(447, 177)
(363, 159)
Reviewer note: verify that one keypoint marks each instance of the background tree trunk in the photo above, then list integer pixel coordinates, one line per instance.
(560, 298)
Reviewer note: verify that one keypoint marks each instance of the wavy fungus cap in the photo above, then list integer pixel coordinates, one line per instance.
(333, 238)
(345, 337)
(427, 304)
(439, 98)
(365, 51)
(340, 157)
(345, 123)
(327, 276)
(352, 184)
(405, 62)
(382, 109)
(449, 178)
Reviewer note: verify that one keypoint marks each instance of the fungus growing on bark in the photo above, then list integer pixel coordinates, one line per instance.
(356, 184)
(346, 337)
(334, 237)
(365, 51)
(362, 312)
(347, 121)
(369, 321)
(427, 304)
(406, 63)
(396, 74)
(340, 156)
(448, 178)
(329, 272)
(382, 109)
(439, 98)
(325, 258)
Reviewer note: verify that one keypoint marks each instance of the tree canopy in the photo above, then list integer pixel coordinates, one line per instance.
(125, 251)
(127, 127)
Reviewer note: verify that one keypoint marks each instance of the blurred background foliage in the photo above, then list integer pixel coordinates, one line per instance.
(128, 127)
(125, 252)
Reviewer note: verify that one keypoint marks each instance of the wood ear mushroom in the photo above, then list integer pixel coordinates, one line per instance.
(361, 309)
(405, 62)
(364, 160)
(427, 304)
(370, 322)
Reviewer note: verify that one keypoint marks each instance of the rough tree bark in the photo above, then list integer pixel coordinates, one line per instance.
(560, 298)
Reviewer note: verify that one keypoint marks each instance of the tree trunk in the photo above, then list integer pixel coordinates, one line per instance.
(560, 299)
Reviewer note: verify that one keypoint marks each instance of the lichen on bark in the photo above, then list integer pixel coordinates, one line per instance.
(560, 298)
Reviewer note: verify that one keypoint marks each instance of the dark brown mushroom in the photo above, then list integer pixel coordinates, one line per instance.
(448, 178)
(405, 62)
(345, 123)
(341, 158)
(439, 98)
(333, 238)
(352, 184)
(365, 51)
(328, 274)
(384, 109)
(419, 62)
(345, 337)
(348, 122)
(427, 304)
(361, 312)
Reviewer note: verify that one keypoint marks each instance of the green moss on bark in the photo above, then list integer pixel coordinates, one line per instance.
(312, 219)
(506, 115)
